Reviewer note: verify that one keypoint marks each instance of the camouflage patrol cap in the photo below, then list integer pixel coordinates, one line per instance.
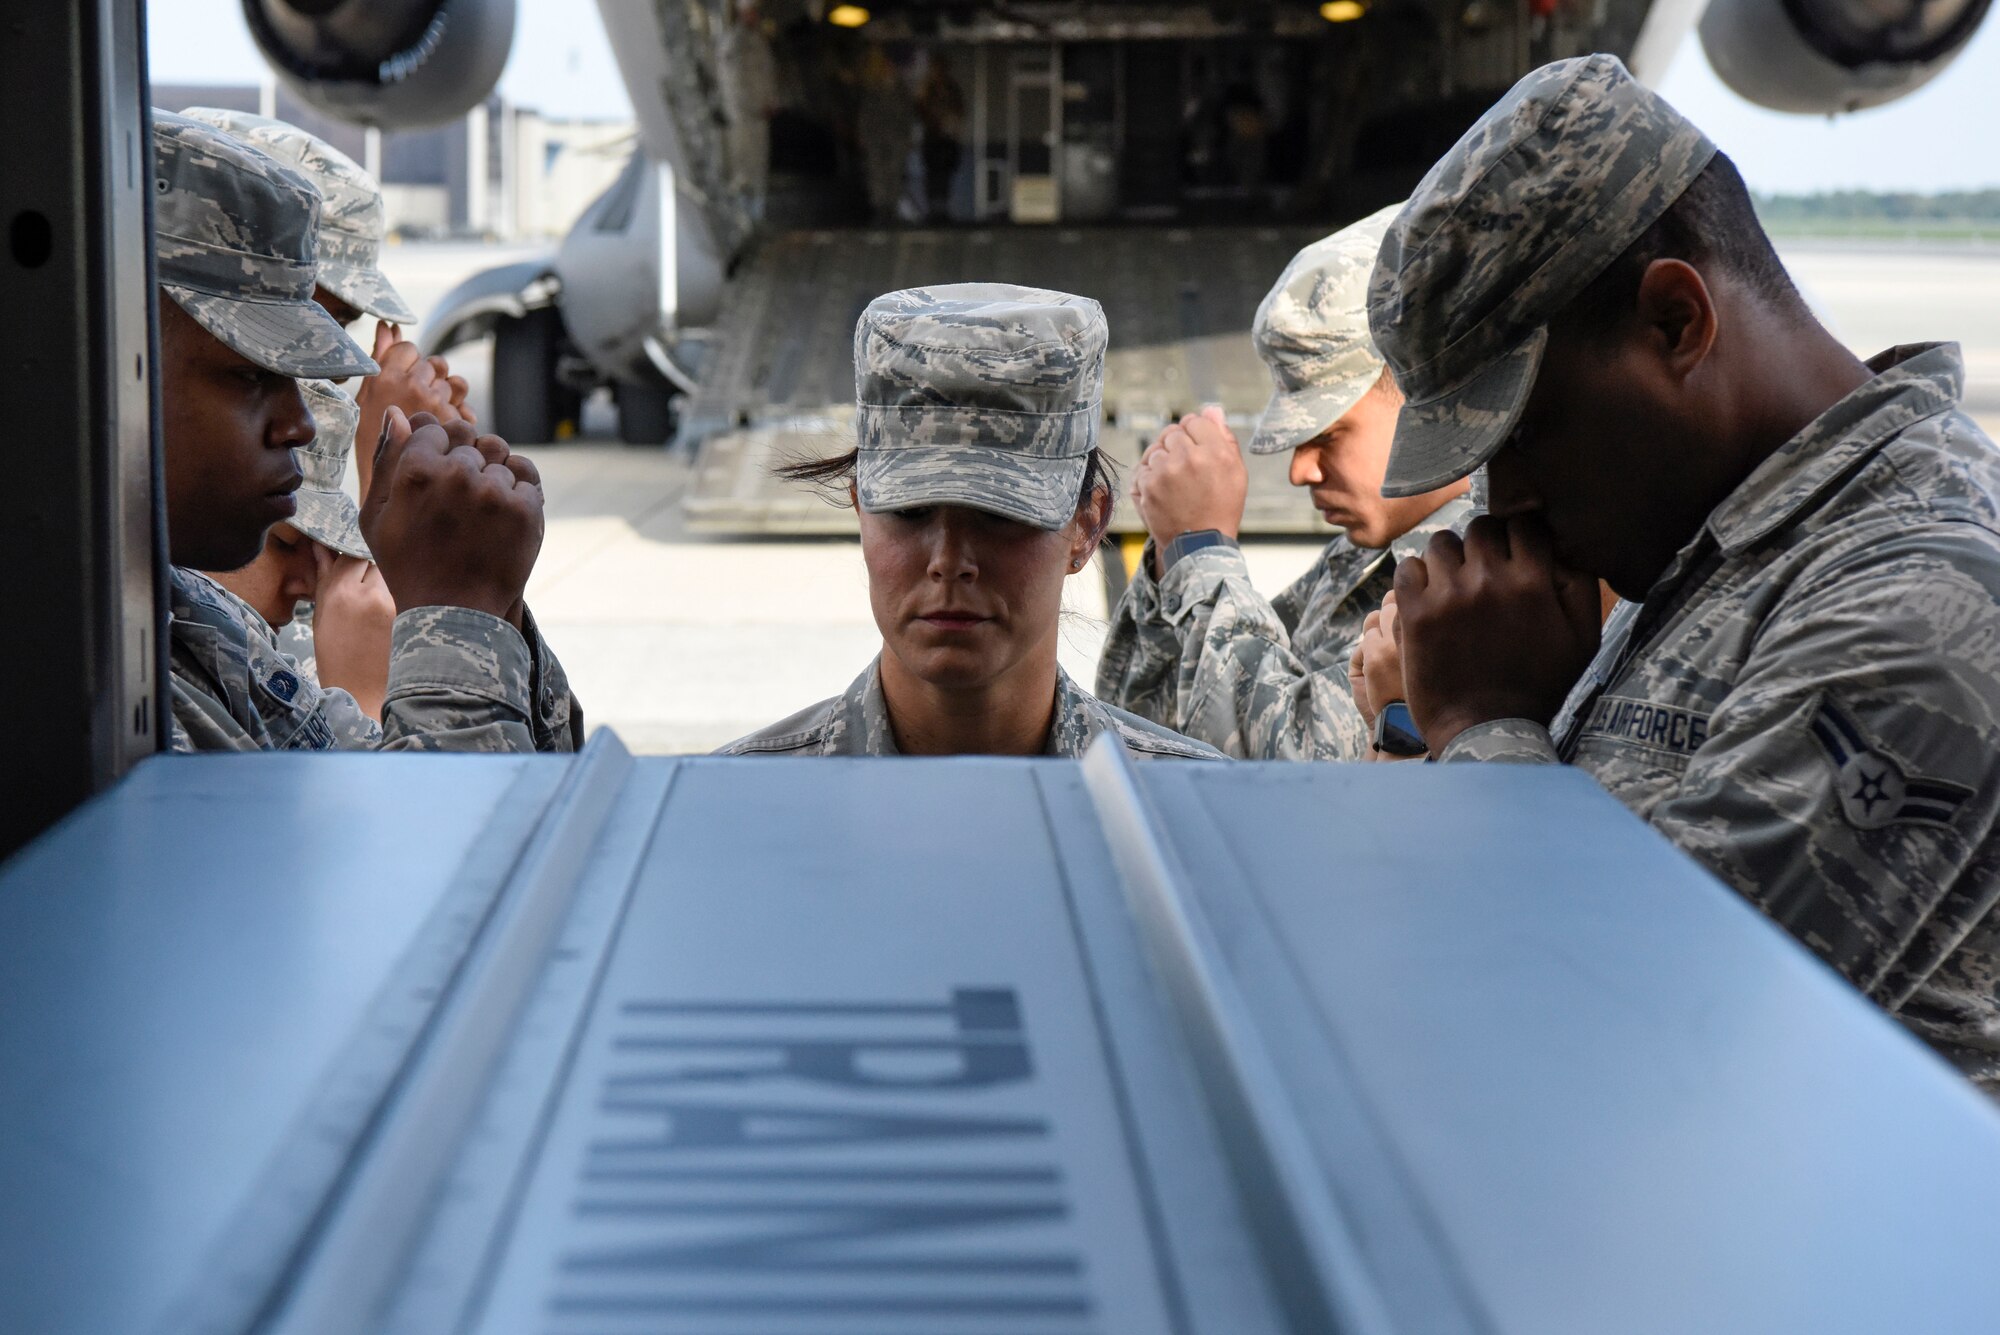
(351, 220)
(235, 234)
(326, 513)
(1539, 197)
(1312, 333)
(979, 394)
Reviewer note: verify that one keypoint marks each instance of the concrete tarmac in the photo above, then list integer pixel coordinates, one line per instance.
(681, 642)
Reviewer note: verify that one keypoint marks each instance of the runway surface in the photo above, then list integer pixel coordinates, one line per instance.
(682, 642)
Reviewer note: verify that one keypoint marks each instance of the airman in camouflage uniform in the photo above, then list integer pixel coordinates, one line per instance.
(459, 680)
(236, 237)
(987, 397)
(327, 514)
(1807, 698)
(352, 221)
(236, 245)
(1198, 648)
(353, 224)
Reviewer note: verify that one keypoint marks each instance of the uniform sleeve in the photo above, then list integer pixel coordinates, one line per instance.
(1840, 787)
(1507, 741)
(352, 728)
(1239, 685)
(461, 680)
(1141, 657)
(236, 690)
(201, 722)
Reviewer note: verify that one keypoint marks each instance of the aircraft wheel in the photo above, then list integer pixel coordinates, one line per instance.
(529, 406)
(647, 412)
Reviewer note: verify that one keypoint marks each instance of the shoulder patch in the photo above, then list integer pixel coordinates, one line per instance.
(283, 683)
(1873, 790)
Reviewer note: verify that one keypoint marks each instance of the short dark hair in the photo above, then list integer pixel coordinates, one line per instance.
(833, 476)
(1712, 226)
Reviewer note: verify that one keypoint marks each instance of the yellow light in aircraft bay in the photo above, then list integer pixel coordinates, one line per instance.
(853, 16)
(1342, 11)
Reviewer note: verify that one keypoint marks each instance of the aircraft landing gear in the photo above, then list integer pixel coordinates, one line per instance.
(530, 406)
(648, 412)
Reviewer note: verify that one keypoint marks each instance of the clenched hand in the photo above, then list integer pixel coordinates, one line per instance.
(454, 518)
(353, 615)
(408, 380)
(1191, 478)
(1375, 668)
(1492, 627)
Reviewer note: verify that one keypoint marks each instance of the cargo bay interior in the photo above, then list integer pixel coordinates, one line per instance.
(1166, 159)
(1234, 128)
(1083, 132)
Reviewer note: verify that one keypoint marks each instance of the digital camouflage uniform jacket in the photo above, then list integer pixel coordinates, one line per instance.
(1808, 701)
(857, 724)
(459, 680)
(295, 638)
(1202, 652)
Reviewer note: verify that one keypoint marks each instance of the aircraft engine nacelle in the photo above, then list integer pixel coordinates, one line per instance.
(396, 64)
(1822, 57)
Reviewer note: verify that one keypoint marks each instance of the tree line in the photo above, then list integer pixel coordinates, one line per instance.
(1871, 206)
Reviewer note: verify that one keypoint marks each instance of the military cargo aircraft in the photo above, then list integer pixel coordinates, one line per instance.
(796, 158)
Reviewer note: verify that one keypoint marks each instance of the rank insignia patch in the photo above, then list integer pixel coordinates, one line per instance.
(1873, 790)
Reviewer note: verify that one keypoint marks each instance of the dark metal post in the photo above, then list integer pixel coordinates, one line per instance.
(80, 530)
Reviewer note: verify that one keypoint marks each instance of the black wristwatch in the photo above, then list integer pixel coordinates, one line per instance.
(1396, 732)
(1192, 541)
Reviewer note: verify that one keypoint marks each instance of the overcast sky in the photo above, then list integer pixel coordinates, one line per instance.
(1941, 137)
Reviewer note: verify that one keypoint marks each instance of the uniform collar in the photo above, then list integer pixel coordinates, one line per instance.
(1073, 709)
(1912, 382)
(1358, 563)
(194, 599)
(185, 589)
(860, 722)
(1452, 514)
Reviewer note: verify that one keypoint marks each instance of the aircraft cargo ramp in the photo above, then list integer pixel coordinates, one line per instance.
(779, 383)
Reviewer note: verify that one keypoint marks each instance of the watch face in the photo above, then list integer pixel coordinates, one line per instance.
(1194, 542)
(1396, 732)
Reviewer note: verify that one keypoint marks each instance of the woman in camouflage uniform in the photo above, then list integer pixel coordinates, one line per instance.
(980, 489)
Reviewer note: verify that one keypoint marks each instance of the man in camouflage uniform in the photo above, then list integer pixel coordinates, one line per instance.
(454, 520)
(1802, 688)
(886, 126)
(350, 282)
(1192, 644)
(352, 221)
(749, 98)
(320, 562)
(980, 401)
